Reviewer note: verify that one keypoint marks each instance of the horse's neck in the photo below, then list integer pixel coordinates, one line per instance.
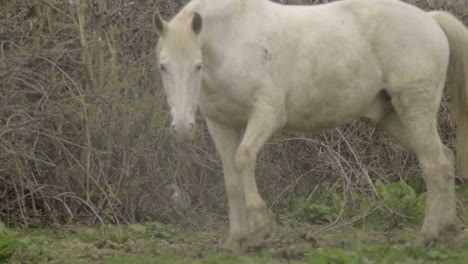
(220, 22)
(218, 2)
(214, 10)
(219, 16)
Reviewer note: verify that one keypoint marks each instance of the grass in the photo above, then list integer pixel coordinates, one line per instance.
(145, 244)
(294, 240)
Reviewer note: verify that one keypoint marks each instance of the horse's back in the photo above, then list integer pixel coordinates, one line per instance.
(407, 41)
(329, 62)
(356, 49)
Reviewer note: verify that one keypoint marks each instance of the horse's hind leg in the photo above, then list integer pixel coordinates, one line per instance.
(391, 123)
(416, 107)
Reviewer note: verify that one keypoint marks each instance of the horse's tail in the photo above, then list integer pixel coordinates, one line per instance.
(457, 80)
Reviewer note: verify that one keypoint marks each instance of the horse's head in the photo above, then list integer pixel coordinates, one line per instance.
(180, 61)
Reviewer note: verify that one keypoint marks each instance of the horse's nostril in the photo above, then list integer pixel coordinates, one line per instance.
(173, 127)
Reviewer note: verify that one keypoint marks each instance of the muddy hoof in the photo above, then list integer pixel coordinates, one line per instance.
(260, 235)
(452, 237)
(234, 245)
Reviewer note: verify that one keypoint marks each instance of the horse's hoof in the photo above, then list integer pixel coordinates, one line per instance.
(451, 236)
(260, 234)
(424, 240)
(235, 245)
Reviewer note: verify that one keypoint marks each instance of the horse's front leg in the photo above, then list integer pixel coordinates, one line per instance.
(227, 140)
(266, 117)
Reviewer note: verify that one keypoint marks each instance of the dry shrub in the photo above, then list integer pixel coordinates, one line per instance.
(83, 126)
(82, 117)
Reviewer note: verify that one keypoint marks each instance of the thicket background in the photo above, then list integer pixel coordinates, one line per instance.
(84, 132)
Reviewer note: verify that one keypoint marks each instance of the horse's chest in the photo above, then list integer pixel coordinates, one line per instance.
(224, 108)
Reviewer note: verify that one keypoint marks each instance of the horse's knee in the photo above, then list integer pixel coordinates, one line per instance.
(245, 157)
(232, 182)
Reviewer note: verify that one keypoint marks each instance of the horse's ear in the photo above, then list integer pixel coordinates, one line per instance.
(159, 24)
(197, 23)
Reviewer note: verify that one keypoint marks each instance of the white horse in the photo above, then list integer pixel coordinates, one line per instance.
(256, 66)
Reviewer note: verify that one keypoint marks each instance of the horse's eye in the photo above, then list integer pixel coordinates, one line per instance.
(199, 66)
(163, 67)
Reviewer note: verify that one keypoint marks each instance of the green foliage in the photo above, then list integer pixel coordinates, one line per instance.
(9, 243)
(63, 246)
(113, 233)
(332, 256)
(159, 230)
(124, 234)
(226, 258)
(401, 200)
(409, 254)
(153, 230)
(385, 254)
(316, 213)
(324, 211)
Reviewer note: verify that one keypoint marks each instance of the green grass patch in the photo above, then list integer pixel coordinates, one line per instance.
(299, 237)
(9, 243)
(144, 245)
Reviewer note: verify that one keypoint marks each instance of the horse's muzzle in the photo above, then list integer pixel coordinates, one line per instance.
(184, 133)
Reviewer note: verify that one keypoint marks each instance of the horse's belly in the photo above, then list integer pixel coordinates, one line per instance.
(309, 121)
(316, 113)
